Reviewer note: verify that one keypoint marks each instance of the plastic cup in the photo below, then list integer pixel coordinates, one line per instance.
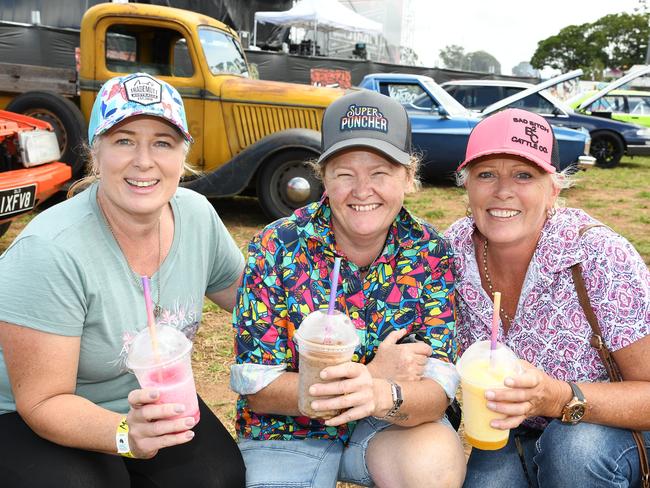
(323, 340)
(169, 371)
(479, 371)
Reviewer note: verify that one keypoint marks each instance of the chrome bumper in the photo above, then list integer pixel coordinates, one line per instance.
(585, 162)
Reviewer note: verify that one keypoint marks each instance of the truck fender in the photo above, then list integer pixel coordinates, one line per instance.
(235, 176)
(64, 117)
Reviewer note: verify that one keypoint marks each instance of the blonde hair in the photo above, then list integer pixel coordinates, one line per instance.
(92, 166)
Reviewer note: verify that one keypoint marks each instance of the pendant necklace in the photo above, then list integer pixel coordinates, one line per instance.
(157, 309)
(489, 281)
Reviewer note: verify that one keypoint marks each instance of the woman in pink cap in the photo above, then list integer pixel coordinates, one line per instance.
(71, 413)
(569, 424)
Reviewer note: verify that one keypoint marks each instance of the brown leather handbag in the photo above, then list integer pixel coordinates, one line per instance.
(607, 358)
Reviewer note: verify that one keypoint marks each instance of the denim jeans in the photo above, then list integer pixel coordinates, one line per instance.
(583, 455)
(312, 463)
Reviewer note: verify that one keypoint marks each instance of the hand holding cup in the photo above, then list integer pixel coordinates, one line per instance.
(154, 425)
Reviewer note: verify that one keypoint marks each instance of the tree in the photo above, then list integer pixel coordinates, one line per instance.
(453, 57)
(524, 68)
(483, 62)
(616, 41)
(625, 39)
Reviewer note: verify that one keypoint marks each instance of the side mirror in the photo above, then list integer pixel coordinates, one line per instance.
(440, 110)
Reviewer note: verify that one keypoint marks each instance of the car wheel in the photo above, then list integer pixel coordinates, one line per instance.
(64, 117)
(607, 148)
(285, 183)
(4, 227)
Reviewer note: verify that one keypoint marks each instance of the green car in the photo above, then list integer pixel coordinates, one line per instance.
(625, 105)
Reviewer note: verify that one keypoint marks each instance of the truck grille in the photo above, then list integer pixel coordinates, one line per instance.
(253, 122)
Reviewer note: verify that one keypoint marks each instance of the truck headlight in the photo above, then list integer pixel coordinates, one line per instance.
(38, 147)
(645, 133)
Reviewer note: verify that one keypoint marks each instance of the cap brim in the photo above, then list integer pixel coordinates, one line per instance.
(512, 152)
(108, 124)
(383, 147)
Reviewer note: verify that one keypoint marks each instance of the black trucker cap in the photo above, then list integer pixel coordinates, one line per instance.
(367, 119)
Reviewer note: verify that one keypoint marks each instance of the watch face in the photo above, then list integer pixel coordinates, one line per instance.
(577, 412)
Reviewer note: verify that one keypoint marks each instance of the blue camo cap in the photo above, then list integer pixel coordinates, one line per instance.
(136, 94)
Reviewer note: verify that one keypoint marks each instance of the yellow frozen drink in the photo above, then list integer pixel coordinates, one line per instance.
(481, 369)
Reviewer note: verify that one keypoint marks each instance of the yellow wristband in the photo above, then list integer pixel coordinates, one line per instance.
(122, 439)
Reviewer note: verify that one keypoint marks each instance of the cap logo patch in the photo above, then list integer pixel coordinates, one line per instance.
(360, 117)
(530, 137)
(143, 90)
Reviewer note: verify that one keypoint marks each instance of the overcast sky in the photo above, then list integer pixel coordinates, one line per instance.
(507, 29)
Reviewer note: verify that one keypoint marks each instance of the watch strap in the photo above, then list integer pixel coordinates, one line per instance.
(577, 392)
(396, 393)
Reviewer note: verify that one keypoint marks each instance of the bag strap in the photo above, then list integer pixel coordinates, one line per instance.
(605, 355)
(596, 340)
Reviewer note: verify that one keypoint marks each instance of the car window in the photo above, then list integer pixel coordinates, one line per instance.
(477, 97)
(158, 51)
(614, 103)
(639, 105)
(410, 95)
(535, 103)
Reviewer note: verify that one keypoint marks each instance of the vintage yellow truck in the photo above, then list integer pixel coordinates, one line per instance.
(251, 136)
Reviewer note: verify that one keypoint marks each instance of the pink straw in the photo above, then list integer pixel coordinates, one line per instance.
(495, 322)
(334, 283)
(151, 322)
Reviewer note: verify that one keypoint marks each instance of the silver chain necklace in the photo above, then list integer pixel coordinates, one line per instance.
(489, 281)
(157, 309)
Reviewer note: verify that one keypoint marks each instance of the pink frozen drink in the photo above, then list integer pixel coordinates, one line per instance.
(168, 370)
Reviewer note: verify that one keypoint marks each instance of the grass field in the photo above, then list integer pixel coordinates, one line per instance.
(619, 197)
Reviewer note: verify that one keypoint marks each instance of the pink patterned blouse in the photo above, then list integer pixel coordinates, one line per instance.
(549, 329)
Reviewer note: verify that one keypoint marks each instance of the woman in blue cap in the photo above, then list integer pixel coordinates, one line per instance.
(73, 298)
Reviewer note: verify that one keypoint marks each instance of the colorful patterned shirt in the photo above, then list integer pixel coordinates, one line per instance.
(409, 285)
(549, 328)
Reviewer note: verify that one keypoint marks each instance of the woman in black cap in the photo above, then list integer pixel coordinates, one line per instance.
(395, 280)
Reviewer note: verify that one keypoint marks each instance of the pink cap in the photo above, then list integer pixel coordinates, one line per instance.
(516, 132)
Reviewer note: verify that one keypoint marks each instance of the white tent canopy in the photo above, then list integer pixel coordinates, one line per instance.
(323, 15)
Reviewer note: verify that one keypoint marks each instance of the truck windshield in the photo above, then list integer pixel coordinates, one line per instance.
(222, 52)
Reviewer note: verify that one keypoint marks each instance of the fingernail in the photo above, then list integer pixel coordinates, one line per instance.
(189, 422)
(491, 405)
(153, 394)
(509, 382)
(323, 374)
(489, 394)
(179, 408)
(312, 390)
(189, 434)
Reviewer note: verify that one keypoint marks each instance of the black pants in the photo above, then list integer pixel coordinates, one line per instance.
(211, 459)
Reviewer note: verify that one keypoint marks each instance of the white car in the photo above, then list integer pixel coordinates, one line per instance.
(610, 139)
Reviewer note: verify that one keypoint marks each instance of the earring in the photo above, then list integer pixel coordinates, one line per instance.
(468, 211)
(550, 212)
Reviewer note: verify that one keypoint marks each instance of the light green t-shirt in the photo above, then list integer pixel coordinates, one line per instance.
(65, 274)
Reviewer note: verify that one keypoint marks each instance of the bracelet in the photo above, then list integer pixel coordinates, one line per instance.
(122, 439)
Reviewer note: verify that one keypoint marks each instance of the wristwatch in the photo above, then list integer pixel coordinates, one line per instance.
(394, 413)
(574, 411)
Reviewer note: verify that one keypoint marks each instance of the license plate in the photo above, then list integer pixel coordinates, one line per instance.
(17, 200)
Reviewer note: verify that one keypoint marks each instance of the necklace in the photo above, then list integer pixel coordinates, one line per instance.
(157, 309)
(489, 281)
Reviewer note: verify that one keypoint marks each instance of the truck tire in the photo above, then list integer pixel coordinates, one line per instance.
(66, 120)
(607, 148)
(4, 228)
(273, 191)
